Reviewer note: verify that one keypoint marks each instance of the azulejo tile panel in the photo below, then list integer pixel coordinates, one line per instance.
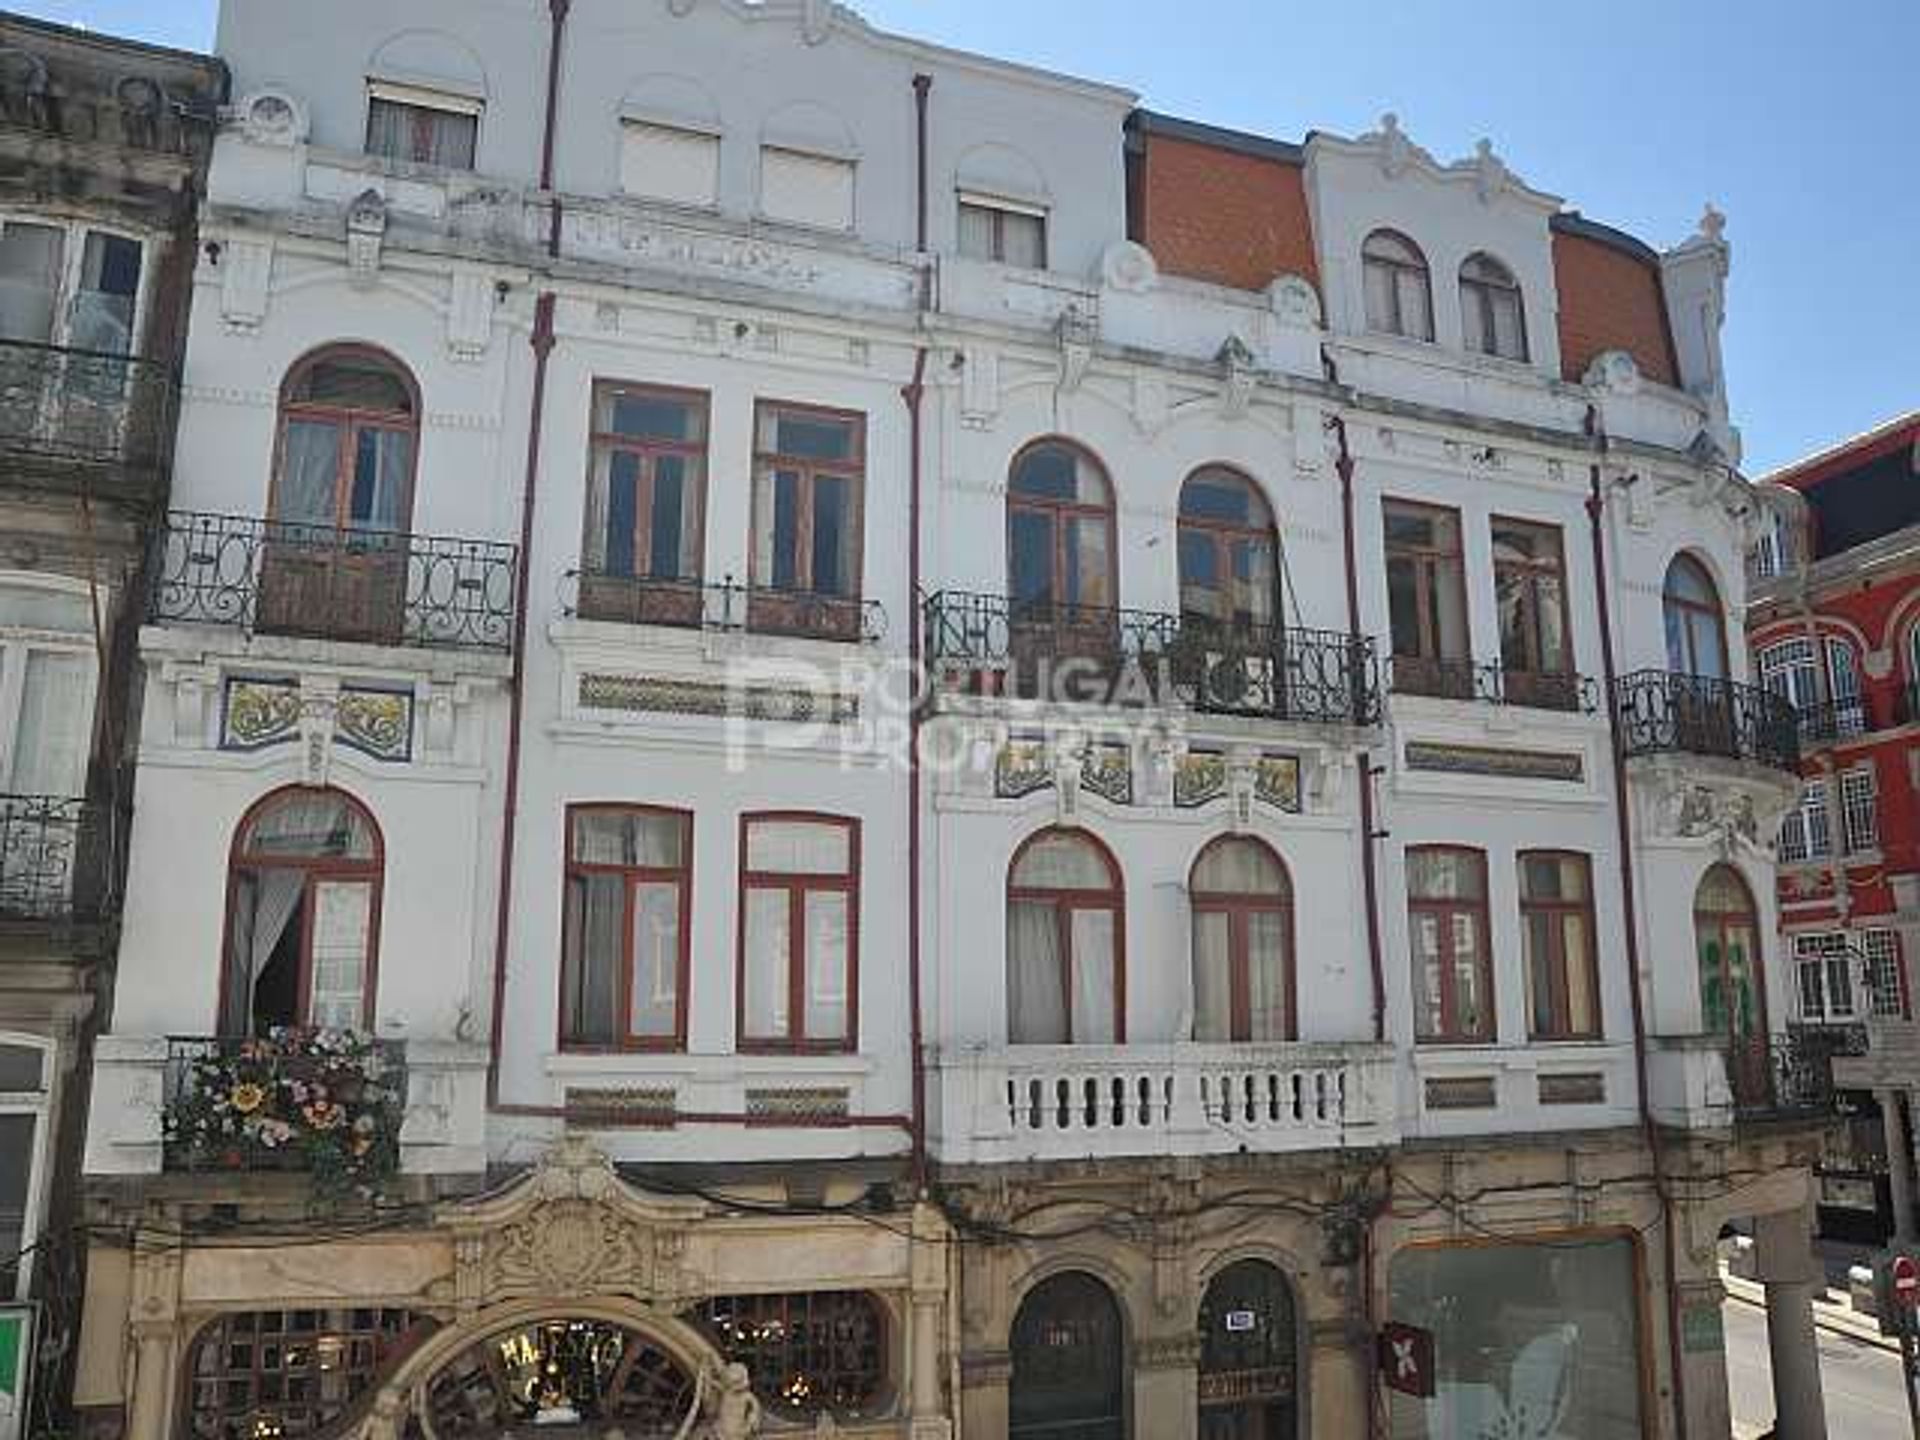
(650, 694)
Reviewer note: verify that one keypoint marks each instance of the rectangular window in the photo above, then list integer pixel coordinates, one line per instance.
(806, 189)
(1530, 595)
(47, 664)
(1859, 810)
(1452, 959)
(809, 471)
(1843, 688)
(1886, 974)
(1824, 967)
(93, 308)
(18, 1133)
(1804, 833)
(664, 162)
(1003, 232)
(1427, 600)
(799, 932)
(646, 506)
(1556, 928)
(624, 955)
(422, 127)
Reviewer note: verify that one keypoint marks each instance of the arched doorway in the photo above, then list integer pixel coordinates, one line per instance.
(1069, 1375)
(1248, 1355)
(1733, 996)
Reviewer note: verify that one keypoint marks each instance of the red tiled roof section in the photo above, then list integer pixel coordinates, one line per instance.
(1609, 300)
(1221, 216)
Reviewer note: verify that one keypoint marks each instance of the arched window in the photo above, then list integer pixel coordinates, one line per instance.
(816, 1353)
(349, 419)
(1068, 1380)
(303, 914)
(1399, 297)
(1733, 996)
(1060, 540)
(290, 1372)
(1249, 1355)
(1696, 629)
(1492, 319)
(1242, 904)
(1066, 954)
(1229, 551)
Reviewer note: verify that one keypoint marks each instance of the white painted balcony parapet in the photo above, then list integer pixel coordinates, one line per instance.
(1053, 1102)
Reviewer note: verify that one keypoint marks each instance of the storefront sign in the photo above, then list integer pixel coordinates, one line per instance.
(1406, 1359)
(1700, 1330)
(16, 1368)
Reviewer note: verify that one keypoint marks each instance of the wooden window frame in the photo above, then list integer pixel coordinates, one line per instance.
(1686, 605)
(798, 885)
(999, 210)
(647, 451)
(1747, 917)
(1530, 572)
(1397, 268)
(1445, 674)
(1060, 511)
(1560, 965)
(1220, 535)
(1445, 910)
(1065, 902)
(373, 871)
(1239, 907)
(350, 421)
(811, 469)
(635, 876)
(1477, 292)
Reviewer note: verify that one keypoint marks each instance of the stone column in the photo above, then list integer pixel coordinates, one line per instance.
(1792, 1276)
(924, 1365)
(1166, 1386)
(1899, 1162)
(152, 1403)
(1703, 1357)
(1339, 1385)
(983, 1391)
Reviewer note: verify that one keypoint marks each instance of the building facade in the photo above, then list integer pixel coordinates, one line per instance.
(103, 151)
(809, 762)
(1831, 625)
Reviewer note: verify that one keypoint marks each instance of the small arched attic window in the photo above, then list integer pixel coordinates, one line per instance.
(1492, 318)
(1003, 204)
(1398, 294)
(426, 92)
(670, 141)
(807, 162)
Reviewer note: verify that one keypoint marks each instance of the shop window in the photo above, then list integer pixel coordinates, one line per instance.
(1249, 1348)
(275, 1373)
(1529, 1339)
(814, 1354)
(576, 1376)
(1065, 951)
(1069, 1373)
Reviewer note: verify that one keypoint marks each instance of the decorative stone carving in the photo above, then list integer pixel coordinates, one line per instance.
(366, 235)
(272, 117)
(729, 1408)
(1236, 396)
(1129, 268)
(246, 273)
(1150, 403)
(979, 367)
(1075, 331)
(470, 316)
(1692, 799)
(1293, 299)
(1613, 371)
(1396, 151)
(1490, 173)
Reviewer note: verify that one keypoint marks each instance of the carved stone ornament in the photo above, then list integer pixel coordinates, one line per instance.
(1295, 302)
(1614, 371)
(246, 278)
(1075, 331)
(1490, 173)
(272, 117)
(729, 1407)
(1396, 151)
(571, 1227)
(366, 235)
(1742, 814)
(1240, 367)
(1129, 268)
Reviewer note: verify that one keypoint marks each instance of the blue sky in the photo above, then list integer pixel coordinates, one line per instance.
(1795, 120)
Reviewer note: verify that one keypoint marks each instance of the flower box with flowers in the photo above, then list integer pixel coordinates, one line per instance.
(328, 1102)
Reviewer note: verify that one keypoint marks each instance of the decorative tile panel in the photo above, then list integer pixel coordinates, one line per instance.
(1462, 1092)
(259, 713)
(1495, 761)
(798, 1103)
(1021, 768)
(1276, 780)
(1199, 776)
(649, 694)
(376, 722)
(630, 1105)
(1107, 771)
(1586, 1087)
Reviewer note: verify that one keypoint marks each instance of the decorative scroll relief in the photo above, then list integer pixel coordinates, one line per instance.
(258, 713)
(1497, 762)
(648, 694)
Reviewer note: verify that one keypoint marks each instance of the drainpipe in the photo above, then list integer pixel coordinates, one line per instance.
(1629, 903)
(557, 9)
(913, 394)
(1369, 879)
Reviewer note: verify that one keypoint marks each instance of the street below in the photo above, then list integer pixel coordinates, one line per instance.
(1861, 1382)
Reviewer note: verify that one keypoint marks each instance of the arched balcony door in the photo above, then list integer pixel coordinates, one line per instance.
(1062, 585)
(1068, 1353)
(1733, 995)
(1695, 622)
(1249, 1348)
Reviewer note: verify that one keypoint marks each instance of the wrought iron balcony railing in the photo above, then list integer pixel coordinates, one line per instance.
(1833, 720)
(58, 860)
(73, 417)
(1494, 684)
(1662, 713)
(382, 587)
(1789, 1074)
(723, 605)
(988, 644)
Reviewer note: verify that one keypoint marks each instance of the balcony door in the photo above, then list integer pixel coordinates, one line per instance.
(1249, 1355)
(69, 311)
(1061, 580)
(1068, 1354)
(1695, 623)
(1733, 996)
(336, 554)
(303, 915)
(1230, 643)
(47, 680)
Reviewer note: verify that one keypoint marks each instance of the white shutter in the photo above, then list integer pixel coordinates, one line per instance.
(662, 162)
(806, 189)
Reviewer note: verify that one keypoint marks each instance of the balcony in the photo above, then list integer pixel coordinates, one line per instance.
(723, 606)
(1495, 684)
(273, 577)
(58, 861)
(1707, 1081)
(1060, 1102)
(989, 645)
(83, 421)
(1833, 720)
(1666, 714)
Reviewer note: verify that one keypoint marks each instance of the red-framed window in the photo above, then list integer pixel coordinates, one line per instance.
(799, 931)
(1066, 943)
(1243, 976)
(646, 499)
(1452, 952)
(1556, 932)
(349, 433)
(624, 948)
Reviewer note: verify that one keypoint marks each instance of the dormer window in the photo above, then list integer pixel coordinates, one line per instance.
(421, 127)
(1003, 232)
(1492, 319)
(1399, 297)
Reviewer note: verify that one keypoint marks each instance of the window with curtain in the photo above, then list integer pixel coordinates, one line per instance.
(1399, 298)
(47, 676)
(799, 932)
(1229, 551)
(1066, 976)
(1492, 318)
(1059, 531)
(1003, 232)
(1696, 629)
(91, 305)
(1556, 931)
(624, 951)
(1530, 595)
(1427, 600)
(303, 909)
(1242, 950)
(809, 468)
(1452, 957)
(646, 498)
(23, 1104)
(348, 426)
(422, 127)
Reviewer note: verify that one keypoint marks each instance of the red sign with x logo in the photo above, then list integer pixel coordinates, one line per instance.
(1406, 1359)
